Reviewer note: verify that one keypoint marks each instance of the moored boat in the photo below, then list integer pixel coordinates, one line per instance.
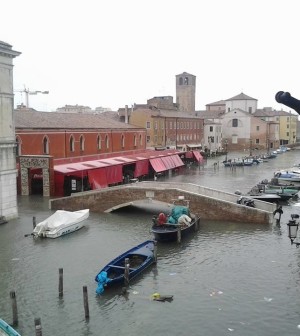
(272, 198)
(240, 162)
(62, 222)
(287, 176)
(165, 229)
(7, 330)
(137, 259)
(271, 189)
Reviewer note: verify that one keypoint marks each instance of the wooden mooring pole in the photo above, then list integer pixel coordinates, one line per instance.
(14, 307)
(155, 251)
(38, 327)
(86, 302)
(179, 234)
(126, 272)
(34, 222)
(61, 282)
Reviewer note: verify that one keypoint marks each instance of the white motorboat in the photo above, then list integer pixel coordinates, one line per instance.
(61, 223)
(287, 175)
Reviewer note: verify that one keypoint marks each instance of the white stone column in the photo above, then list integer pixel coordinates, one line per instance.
(8, 171)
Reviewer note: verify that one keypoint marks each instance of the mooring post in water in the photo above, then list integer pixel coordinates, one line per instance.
(155, 251)
(86, 302)
(178, 234)
(197, 219)
(126, 271)
(38, 327)
(34, 222)
(61, 282)
(14, 307)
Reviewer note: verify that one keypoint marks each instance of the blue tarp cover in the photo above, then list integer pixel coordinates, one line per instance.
(176, 212)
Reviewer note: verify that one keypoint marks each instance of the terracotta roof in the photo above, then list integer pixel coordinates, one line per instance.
(241, 96)
(220, 102)
(186, 74)
(166, 113)
(29, 118)
(204, 114)
(274, 113)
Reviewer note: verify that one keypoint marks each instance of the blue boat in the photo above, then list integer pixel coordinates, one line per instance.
(140, 257)
(7, 330)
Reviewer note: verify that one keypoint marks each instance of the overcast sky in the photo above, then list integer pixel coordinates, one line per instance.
(113, 53)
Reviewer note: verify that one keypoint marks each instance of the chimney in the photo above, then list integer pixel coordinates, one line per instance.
(126, 114)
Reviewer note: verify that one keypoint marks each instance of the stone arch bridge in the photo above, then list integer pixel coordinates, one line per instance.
(208, 203)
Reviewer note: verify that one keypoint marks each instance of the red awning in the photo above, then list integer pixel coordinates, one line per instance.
(78, 166)
(177, 160)
(141, 168)
(97, 178)
(168, 162)
(114, 174)
(158, 165)
(198, 156)
(189, 155)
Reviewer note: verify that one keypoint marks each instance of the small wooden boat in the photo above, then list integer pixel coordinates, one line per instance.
(7, 330)
(167, 231)
(135, 260)
(61, 223)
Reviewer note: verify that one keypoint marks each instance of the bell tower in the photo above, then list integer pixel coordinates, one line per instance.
(186, 92)
(8, 171)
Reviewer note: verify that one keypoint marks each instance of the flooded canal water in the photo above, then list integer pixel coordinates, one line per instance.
(226, 279)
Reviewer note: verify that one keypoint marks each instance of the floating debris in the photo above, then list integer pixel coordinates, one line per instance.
(162, 298)
(268, 299)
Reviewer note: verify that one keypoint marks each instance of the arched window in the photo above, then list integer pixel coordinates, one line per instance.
(134, 141)
(141, 140)
(72, 144)
(123, 141)
(106, 142)
(18, 146)
(186, 80)
(98, 142)
(81, 143)
(180, 81)
(45, 145)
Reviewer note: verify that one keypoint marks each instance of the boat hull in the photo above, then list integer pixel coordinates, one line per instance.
(271, 198)
(169, 233)
(140, 257)
(61, 223)
(64, 231)
(7, 330)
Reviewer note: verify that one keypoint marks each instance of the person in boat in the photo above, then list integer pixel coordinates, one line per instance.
(162, 219)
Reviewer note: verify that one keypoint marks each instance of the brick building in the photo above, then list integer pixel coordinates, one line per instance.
(46, 139)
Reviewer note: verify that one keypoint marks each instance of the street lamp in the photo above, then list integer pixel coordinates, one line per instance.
(293, 229)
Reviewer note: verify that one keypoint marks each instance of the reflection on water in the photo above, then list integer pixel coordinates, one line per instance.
(237, 278)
